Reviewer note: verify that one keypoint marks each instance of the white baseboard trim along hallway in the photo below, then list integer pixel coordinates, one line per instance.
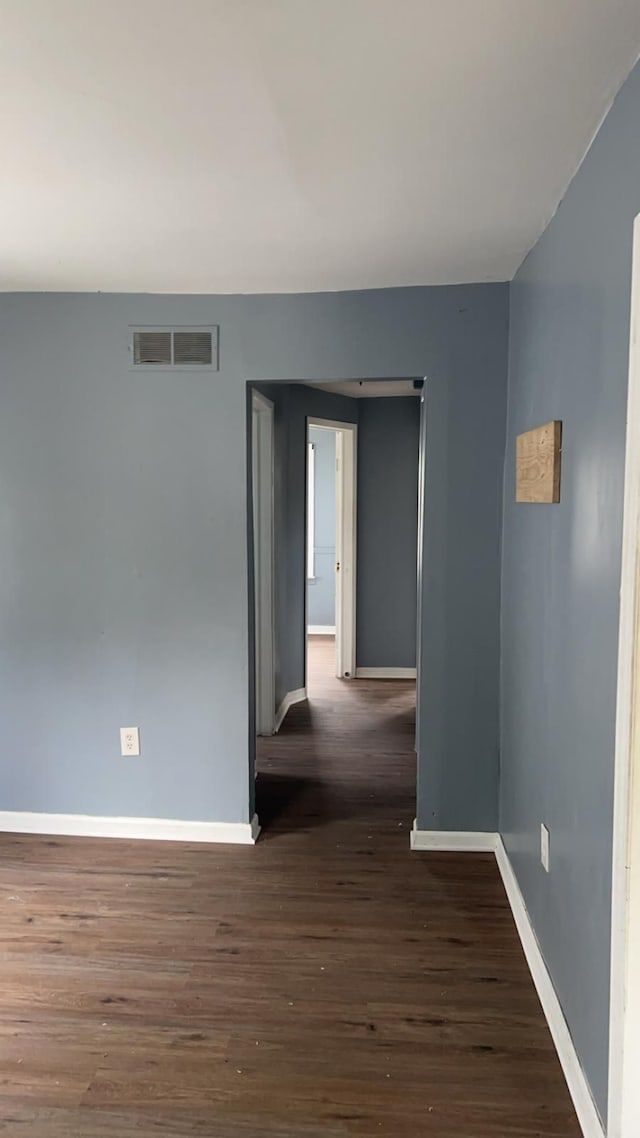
(321, 630)
(155, 829)
(460, 841)
(588, 1116)
(385, 673)
(290, 698)
(457, 840)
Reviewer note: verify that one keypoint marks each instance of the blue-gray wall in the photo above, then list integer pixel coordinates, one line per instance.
(123, 540)
(459, 632)
(321, 591)
(387, 532)
(569, 347)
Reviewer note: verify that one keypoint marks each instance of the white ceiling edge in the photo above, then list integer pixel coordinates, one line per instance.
(53, 288)
(607, 105)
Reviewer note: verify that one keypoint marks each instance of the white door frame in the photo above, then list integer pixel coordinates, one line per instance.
(263, 560)
(624, 1027)
(346, 515)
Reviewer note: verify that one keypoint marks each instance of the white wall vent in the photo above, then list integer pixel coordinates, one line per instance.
(176, 347)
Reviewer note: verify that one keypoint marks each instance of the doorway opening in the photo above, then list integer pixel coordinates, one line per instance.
(356, 698)
(331, 549)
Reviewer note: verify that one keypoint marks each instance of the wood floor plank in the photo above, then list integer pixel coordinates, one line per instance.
(327, 984)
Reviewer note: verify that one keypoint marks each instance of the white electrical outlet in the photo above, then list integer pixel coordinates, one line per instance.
(544, 846)
(129, 741)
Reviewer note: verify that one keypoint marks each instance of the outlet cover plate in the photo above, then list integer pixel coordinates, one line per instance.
(129, 741)
(544, 847)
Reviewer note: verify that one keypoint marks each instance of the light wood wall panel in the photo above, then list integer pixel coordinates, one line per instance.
(538, 463)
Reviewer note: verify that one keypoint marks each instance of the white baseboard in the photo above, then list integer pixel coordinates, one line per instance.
(157, 829)
(453, 840)
(588, 1116)
(385, 673)
(290, 698)
(461, 841)
(321, 630)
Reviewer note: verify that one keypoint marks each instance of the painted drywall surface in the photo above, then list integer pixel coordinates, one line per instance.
(387, 532)
(321, 591)
(121, 597)
(561, 575)
(123, 540)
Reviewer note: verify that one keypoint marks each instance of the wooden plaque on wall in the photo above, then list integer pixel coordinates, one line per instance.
(538, 463)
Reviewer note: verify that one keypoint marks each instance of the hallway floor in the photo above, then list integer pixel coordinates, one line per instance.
(327, 983)
(420, 1014)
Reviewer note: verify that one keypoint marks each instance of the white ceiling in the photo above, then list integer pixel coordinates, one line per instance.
(370, 388)
(293, 145)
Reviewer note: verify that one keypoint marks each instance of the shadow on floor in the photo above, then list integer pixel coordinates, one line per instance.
(346, 753)
(289, 802)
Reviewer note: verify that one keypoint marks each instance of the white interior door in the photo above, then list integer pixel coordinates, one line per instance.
(346, 553)
(263, 561)
(346, 507)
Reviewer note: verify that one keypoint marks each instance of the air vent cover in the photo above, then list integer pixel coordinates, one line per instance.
(177, 348)
(152, 348)
(192, 348)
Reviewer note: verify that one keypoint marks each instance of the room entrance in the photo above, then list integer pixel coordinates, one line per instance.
(331, 548)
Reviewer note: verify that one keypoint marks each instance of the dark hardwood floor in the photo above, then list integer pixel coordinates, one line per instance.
(326, 983)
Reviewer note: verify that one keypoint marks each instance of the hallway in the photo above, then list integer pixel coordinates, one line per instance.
(347, 753)
(327, 983)
(419, 1016)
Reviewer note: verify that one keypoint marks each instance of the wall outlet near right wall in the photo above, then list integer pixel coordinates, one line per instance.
(544, 846)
